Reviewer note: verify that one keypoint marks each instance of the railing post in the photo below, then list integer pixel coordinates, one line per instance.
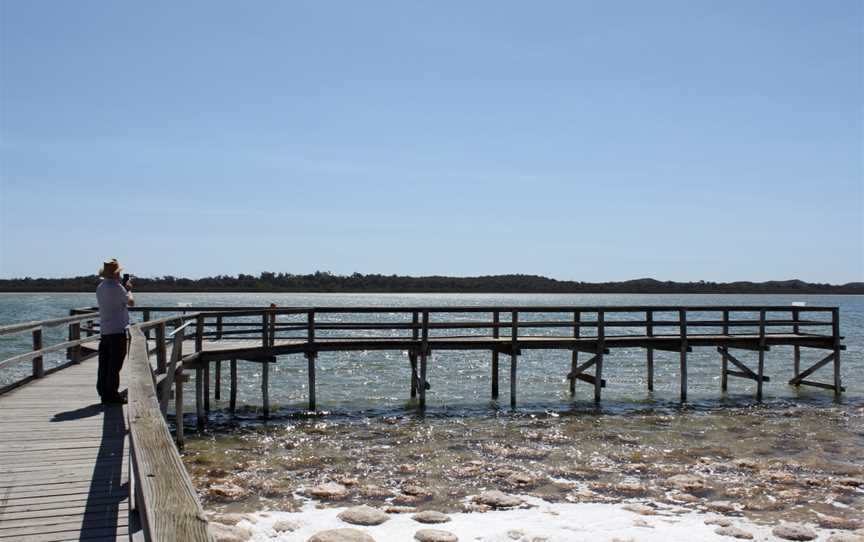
(514, 352)
(219, 328)
(310, 355)
(574, 356)
(601, 346)
(424, 353)
(199, 346)
(796, 316)
(412, 354)
(146, 314)
(682, 325)
(75, 334)
(264, 340)
(38, 366)
(161, 355)
(761, 368)
(496, 334)
(272, 334)
(835, 332)
(199, 332)
(649, 330)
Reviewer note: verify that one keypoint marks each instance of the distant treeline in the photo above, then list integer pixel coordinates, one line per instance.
(357, 283)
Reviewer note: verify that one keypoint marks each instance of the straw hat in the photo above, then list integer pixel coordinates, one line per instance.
(110, 269)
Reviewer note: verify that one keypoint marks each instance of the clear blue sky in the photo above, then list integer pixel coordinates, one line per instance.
(680, 140)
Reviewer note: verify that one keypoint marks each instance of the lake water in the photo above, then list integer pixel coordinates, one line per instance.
(796, 454)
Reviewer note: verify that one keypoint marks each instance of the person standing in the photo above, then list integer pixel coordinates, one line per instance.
(114, 301)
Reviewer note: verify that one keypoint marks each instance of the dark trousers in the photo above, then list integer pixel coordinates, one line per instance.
(112, 352)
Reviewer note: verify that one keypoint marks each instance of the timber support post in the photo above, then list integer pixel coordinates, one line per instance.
(682, 324)
(835, 331)
(649, 331)
(146, 315)
(178, 408)
(161, 354)
(38, 365)
(412, 354)
(724, 370)
(514, 354)
(200, 416)
(310, 356)
(217, 382)
(232, 392)
(74, 335)
(598, 366)
(496, 334)
(796, 316)
(760, 371)
(424, 354)
(574, 356)
(205, 374)
(265, 388)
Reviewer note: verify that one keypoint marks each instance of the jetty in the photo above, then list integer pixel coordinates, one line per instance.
(72, 469)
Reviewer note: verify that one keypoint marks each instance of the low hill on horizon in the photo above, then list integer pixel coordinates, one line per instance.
(322, 281)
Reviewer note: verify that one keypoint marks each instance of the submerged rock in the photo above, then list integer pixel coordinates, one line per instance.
(225, 491)
(846, 537)
(720, 521)
(734, 532)
(721, 507)
(498, 499)
(330, 490)
(431, 516)
(228, 533)
(834, 522)
(687, 482)
(285, 526)
(363, 515)
(640, 509)
(226, 519)
(435, 535)
(791, 531)
(341, 535)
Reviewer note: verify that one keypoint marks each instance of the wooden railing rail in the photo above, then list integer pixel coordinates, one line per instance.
(165, 499)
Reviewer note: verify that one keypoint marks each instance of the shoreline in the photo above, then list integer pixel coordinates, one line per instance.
(535, 521)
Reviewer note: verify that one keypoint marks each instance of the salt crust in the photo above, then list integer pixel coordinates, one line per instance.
(559, 522)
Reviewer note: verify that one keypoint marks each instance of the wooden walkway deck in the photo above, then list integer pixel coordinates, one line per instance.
(64, 462)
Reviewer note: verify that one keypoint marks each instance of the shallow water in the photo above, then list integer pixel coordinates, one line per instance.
(794, 455)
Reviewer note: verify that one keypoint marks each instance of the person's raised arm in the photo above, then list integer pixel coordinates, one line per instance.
(130, 300)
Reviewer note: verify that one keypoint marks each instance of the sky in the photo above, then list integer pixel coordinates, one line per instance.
(595, 141)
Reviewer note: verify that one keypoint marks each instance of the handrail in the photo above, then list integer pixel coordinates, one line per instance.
(36, 324)
(166, 501)
(484, 308)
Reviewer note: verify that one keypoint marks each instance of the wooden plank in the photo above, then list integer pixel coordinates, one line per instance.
(812, 369)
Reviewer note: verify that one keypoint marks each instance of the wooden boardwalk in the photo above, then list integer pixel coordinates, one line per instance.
(64, 461)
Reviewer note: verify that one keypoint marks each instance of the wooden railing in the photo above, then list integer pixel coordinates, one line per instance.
(164, 496)
(36, 355)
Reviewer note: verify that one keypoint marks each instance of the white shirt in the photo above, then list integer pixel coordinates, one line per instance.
(113, 307)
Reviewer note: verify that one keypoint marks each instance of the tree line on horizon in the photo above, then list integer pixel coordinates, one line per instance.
(323, 281)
